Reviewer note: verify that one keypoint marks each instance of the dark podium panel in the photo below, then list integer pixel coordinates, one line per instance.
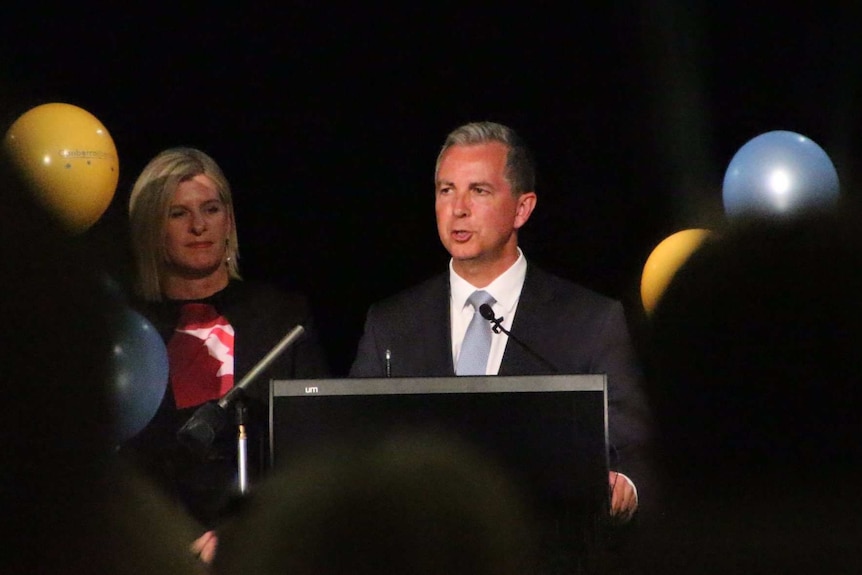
(548, 432)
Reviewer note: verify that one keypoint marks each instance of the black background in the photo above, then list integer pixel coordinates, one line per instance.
(327, 119)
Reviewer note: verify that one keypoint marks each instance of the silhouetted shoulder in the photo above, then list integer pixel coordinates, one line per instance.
(547, 288)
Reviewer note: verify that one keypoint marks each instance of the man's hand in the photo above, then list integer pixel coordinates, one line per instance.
(205, 546)
(624, 497)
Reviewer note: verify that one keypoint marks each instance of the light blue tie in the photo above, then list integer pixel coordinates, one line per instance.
(473, 359)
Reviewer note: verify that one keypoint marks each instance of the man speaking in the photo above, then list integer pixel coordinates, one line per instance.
(485, 192)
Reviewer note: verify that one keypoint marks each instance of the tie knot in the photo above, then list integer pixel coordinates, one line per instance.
(479, 298)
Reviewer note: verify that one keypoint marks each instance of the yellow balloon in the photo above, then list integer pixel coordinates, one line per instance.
(664, 261)
(68, 160)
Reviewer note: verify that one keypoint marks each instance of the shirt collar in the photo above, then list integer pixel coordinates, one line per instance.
(506, 288)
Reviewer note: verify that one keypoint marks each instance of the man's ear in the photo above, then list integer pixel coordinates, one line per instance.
(526, 205)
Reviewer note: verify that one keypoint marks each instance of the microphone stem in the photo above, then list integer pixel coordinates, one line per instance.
(388, 363)
(261, 365)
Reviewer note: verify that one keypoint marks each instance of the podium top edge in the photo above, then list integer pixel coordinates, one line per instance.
(429, 385)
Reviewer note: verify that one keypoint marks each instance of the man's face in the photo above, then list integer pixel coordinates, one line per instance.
(197, 229)
(477, 214)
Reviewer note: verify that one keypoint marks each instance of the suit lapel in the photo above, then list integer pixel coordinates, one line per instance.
(437, 347)
(529, 326)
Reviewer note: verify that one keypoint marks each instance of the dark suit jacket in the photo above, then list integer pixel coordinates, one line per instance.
(576, 330)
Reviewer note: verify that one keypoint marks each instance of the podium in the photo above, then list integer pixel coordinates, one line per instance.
(549, 433)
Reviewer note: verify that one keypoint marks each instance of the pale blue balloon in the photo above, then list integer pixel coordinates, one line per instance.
(779, 173)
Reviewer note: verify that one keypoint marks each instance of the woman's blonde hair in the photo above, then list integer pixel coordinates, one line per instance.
(150, 203)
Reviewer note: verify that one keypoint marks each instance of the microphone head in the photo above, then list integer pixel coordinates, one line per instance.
(199, 433)
(487, 312)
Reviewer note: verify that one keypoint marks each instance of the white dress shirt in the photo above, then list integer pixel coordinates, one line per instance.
(506, 289)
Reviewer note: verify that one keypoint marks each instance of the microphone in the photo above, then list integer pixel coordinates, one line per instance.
(199, 432)
(388, 363)
(496, 324)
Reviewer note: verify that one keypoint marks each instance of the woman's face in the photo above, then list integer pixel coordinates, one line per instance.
(197, 230)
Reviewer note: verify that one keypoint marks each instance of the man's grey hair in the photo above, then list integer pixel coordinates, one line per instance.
(520, 170)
